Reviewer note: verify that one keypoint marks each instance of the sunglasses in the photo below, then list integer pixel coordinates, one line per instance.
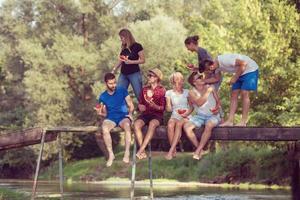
(151, 75)
(201, 76)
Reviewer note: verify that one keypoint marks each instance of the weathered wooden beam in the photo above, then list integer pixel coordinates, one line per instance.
(32, 136)
(87, 129)
(244, 133)
(24, 137)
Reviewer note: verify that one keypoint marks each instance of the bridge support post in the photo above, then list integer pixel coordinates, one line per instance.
(295, 175)
(61, 175)
(35, 182)
(133, 168)
(150, 171)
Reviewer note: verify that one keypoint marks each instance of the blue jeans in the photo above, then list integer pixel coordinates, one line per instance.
(134, 79)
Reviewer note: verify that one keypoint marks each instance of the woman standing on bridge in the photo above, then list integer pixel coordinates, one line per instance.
(131, 55)
(177, 103)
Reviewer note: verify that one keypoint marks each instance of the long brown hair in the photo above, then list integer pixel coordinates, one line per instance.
(128, 38)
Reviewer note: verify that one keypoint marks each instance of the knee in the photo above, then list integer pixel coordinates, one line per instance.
(180, 124)
(187, 128)
(153, 124)
(171, 125)
(126, 127)
(105, 131)
(234, 94)
(137, 126)
(245, 94)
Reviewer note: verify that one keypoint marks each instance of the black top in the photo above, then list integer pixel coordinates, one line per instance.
(132, 54)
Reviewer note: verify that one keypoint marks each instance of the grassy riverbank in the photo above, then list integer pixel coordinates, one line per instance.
(262, 166)
(6, 194)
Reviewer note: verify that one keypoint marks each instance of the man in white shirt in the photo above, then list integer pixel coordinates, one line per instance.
(243, 81)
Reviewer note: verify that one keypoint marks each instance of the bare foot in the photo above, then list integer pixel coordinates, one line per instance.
(227, 123)
(144, 155)
(141, 155)
(197, 156)
(174, 154)
(169, 156)
(126, 158)
(110, 161)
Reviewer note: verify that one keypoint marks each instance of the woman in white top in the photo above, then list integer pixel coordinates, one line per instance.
(177, 103)
(207, 105)
(243, 81)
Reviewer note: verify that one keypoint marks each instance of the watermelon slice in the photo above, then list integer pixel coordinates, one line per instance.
(148, 94)
(122, 57)
(190, 66)
(181, 111)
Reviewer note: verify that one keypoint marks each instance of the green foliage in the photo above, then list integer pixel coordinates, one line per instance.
(9, 194)
(54, 54)
(236, 163)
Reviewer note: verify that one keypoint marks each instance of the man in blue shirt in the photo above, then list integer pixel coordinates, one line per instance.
(116, 106)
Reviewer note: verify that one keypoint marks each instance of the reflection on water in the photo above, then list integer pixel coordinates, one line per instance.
(84, 191)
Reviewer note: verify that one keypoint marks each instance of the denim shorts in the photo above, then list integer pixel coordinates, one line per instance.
(201, 119)
(246, 82)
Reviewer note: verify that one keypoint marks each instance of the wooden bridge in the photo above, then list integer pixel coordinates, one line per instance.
(33, 136)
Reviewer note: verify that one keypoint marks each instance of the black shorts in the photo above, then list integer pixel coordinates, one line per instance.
(148, 117)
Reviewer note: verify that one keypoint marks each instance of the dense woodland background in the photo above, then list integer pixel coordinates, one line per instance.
(54, 54)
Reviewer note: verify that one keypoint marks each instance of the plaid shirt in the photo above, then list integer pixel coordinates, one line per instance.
(158, 98)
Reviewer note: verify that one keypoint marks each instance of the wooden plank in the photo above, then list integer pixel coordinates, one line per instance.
(24, 137)
(244, 133)
(32, 136)
(87, 129)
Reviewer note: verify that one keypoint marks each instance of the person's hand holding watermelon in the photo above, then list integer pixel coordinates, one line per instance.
(123, 58)
(182, 112)
(148, 95)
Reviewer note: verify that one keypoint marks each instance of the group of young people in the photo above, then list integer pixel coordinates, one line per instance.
(191, 108)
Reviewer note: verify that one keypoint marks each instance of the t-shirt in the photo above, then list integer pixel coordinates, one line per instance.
(205, 108)
(132, 53)
(158, 98)
(116, 105)
(227, 63)
(179, 101)
(202, 55)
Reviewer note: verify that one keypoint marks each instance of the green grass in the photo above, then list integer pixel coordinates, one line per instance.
(233, 165)
(6, 194)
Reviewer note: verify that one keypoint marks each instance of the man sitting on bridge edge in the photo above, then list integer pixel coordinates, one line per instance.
(116, 106)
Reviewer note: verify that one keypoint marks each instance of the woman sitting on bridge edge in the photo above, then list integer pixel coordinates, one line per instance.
(178, 104)
(207, 105)
(151, 105)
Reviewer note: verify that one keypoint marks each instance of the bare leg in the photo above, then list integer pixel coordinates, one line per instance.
(107, 126)
(188, 128)
(204, 138)
(171, 129)
(138, 125)
(233, 107)
(125, 125)
(177, 135)
(150, 132)
(246, 106)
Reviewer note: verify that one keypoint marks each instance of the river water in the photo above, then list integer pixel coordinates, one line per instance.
(89, 191)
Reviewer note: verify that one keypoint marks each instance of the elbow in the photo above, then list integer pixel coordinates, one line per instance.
(142, 61)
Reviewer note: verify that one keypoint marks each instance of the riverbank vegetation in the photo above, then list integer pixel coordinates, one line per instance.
(234, 165)
(54, 55)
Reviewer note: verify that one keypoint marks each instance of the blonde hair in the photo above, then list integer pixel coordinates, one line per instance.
(175, 74)
(128, 37)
